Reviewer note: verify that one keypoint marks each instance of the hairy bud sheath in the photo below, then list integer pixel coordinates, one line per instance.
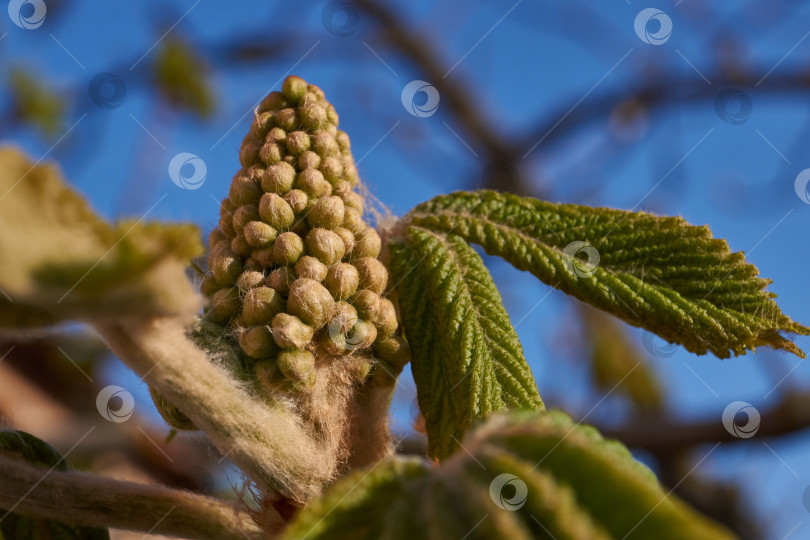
(293, 266)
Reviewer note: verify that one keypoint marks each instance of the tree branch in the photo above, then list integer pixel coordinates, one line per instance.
(85, 499)
(664, 436)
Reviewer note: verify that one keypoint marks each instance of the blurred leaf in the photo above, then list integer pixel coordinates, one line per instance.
(181, 76)
(14, 526)
(521, 476)
(617, 363)
(60, 260)
(659, 273)
(35, 103)
(466, 357)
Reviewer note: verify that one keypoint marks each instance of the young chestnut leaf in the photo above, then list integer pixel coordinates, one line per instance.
(466, 358)
(524, 475)
(659, 273)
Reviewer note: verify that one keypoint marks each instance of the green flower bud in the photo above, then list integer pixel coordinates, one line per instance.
(297, 200)
(313, 115)
(332, 115)
(280, 279)
(350, 171)
(310, 267)
(353, 200)
(249, 151)
(312, 182)
(264, 256)
(274, 101)
(259, 234)
(344, 318)
(373, 274)
(367, 244)
(310, 302)
(316, 91)
(342, 281)
(331, 129)
(262, 123)
(257, 342)
(325, 245)
(343, 142)
(309, 160)
(242, 216)
(271, 152)
(324, 144)
(226, 225)
(226, 208)
(288, 248)
(294, 88)
(260, 305)
(289, 332)
(250, 279)
(276, 212)
(225, 303)
(297, 142)
(332, 169)
(252, 264)
(287, 119)
(277, 135)
(244, 191)
(209, 286)
(386, 319)
(214, 237)
(327, 213)
(352, 220)
(240, 246)
(394, 350)
(298, 366)
(367, 304)
(278, 178)
(361, 335)
(348, 239)
(226, 266)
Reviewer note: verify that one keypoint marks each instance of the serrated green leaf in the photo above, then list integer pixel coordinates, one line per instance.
(525, 475)
(34, 450)
(659, 273)
(59, 260)
(466, 358)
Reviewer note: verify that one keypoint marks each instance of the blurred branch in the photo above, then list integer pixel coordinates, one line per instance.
(665, 437)
(84, 499)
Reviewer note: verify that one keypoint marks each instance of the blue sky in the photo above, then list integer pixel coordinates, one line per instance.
(524, 71)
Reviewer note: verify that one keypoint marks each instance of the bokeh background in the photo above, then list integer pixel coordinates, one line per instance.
(684, 109)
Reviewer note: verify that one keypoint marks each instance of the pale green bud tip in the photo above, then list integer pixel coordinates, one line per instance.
(327, 212)
(276, 212)
(297, 142)
(312, 268)
(342, 280)
(259, 234)
(298, 366)
(386, 319)
(280, 279)
(311, 302)
(248, 280)
(367, 244)
(278, 178)
(225, 303)
(294, 88)
(325, 245)
(297, 200)
(393, 350)
(288, 248)
(373, 274)
(290, 332)
(257, 342)
(260, 305)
